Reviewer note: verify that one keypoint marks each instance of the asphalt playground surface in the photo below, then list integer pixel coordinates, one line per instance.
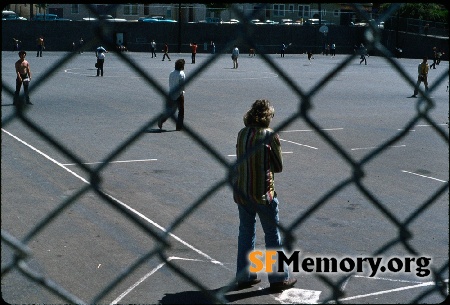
(163, 173)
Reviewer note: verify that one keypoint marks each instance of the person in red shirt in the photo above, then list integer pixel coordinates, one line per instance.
(194, 51)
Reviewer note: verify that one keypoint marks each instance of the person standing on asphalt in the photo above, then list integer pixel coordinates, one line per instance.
(176, 86)
(153, 48)
(100, 54)
(193, 51)
(23, 73)
(40, 46)
(422, 70)
(259, 156)
(16, 44)
(235, 56)
(80, 45)
(333, 49)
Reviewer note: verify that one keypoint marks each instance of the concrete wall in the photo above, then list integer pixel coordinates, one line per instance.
(59, 36)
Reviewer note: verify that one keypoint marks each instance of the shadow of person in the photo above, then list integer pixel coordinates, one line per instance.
(154, 130)
(202, 297)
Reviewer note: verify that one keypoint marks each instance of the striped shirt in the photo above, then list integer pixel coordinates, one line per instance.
(259, 157)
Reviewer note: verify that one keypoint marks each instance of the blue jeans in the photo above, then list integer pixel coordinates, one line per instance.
(268, 215)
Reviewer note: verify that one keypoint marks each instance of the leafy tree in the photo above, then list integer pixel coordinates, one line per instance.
(424, 11)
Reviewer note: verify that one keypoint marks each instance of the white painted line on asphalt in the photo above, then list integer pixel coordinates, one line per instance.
(298, 144)
(300, 130)
(386, 279)
(121, 203)
(126, 161)
(299, 296)
(424, 125)
(424, 176)
(47, 157)
(428, 125)
(386, 291)
(363, 148)
(284, 152)
(142, 279)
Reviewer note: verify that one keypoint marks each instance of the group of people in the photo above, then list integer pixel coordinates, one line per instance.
(253, 181)
(253, 185)
(165, 50)
(329, 49)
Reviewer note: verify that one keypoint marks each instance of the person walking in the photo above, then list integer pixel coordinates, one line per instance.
(166, 51)
(235, 56)
(363, 53)
(176, 93)
(422, 70)
(153, 48)
(23, 76)
(435, 57)
(259, 156)
(100, 54)
(40, 46)
(193, 51)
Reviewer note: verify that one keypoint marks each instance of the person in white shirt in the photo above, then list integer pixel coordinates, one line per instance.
(176, 93)
(234, 57)
(153, 48)
(100, 53)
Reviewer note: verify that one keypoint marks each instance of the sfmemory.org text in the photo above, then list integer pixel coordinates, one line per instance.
(265, 261)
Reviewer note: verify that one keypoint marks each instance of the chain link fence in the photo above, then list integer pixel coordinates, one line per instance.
(22, 253)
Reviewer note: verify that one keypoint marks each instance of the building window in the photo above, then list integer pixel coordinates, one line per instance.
(169, 13)
(75, 8)
(130, 9)
(336, 13)
(303, 11)
(291, 8)
(278, 10)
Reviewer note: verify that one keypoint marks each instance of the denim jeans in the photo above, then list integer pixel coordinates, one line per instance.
(268, 215)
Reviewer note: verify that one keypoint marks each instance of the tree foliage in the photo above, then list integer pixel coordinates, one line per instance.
(424, 11)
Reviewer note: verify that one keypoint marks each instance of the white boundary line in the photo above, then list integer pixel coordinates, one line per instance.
(424, 176)
(183, 242)
(301, 130)
(362, 148)
(121, 203)
(142, 279)
(298, 144)
(387, 291)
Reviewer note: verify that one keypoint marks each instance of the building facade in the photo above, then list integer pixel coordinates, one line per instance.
(329, 13)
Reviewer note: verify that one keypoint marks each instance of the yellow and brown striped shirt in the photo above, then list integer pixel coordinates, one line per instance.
(258, 152)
